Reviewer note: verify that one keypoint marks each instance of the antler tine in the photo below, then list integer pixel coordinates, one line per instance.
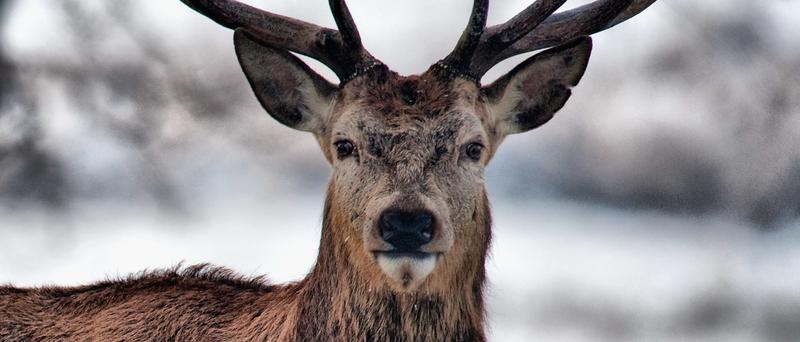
(497, 38)
(502, 36)
(340, 51)
(635, 8)
(565, 26)
(346, 24)
(272, 27)
(462, 54)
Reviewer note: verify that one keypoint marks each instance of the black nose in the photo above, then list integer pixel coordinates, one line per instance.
(406, 230)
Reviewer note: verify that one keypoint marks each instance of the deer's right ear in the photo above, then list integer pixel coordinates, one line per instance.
(287, 88)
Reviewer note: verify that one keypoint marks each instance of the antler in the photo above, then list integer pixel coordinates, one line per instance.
(534, 28)
(340, 50)
(464, 51)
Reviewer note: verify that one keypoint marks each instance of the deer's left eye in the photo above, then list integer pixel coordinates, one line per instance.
(474, 151)
(344, 148)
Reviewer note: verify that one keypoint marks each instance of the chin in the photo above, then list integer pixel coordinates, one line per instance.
(406, 271)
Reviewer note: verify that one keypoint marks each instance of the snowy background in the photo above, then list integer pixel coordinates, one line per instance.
(662, 204)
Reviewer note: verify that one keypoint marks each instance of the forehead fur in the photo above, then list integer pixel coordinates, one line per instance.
(405, 102)
(388, 94)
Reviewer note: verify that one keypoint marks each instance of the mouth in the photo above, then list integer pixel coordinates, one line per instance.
(407, 269)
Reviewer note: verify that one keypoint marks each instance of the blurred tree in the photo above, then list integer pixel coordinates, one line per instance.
(6, 68)
(28, 172)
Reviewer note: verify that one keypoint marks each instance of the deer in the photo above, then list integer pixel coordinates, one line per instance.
(406, 224)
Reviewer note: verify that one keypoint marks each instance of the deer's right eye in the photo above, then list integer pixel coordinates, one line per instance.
(344, 148)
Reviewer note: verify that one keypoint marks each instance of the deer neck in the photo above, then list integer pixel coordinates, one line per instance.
(340, 300)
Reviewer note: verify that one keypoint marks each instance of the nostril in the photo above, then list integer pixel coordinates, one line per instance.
(387, 229)
(424, 224)
(406, 230)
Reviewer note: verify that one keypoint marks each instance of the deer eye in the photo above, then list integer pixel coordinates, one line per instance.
(344, 148)
(474, 151)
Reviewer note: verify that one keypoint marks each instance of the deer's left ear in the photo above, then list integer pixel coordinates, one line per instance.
(530, 94)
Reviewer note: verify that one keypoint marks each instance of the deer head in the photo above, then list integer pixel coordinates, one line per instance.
(406, 205)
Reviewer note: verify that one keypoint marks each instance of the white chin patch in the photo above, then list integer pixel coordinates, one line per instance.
(408, 271)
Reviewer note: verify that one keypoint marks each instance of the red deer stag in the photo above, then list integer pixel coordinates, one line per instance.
(406, 223)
